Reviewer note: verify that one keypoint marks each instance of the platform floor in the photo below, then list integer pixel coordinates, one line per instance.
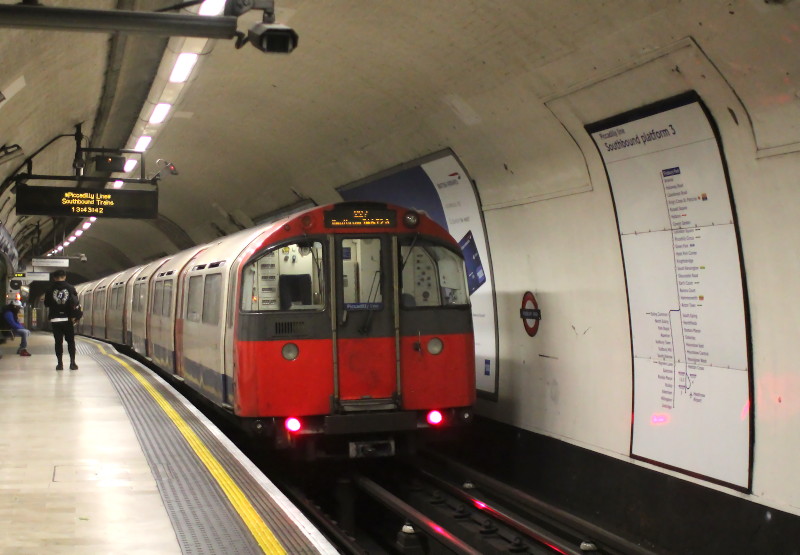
(81, 471)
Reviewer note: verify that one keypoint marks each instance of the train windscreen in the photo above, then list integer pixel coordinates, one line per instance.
(432, 275)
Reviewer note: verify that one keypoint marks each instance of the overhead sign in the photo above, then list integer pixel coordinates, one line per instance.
(100, 203)
(51, 262)
(36, 276)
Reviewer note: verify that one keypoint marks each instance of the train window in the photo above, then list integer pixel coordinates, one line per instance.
(167, 305)
(139, 295)
(194, 307)
(158, 298)
(361, 274)
(118, 297)
(289, 277)
(212, 297)
(432, 275)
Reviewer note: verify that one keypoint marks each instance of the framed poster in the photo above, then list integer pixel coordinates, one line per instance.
(692, 384)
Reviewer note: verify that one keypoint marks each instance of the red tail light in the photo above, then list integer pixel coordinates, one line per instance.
(293, 424)
(435, 418)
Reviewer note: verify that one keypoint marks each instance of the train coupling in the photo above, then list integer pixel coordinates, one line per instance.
(371, 448)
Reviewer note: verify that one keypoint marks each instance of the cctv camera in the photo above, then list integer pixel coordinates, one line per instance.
(273, 37)
(82, 257)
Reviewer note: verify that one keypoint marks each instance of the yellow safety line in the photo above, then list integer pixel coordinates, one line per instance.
(261, 532)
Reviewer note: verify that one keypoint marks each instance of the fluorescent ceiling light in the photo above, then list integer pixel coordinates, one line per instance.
(72, 238)
(160, 112)
(183, 67)
(130, 165)
(212, 7)
(78, 233)
(60, 248)
(117, 184)
(92, 219)
(143, 143)
(67, 242)
(87, 225)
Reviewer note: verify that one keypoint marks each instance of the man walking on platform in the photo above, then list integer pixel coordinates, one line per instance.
(62, 301)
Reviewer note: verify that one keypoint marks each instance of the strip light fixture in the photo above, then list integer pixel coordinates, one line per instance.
(180, 60)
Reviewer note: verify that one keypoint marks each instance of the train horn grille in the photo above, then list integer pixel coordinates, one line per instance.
(290, 328)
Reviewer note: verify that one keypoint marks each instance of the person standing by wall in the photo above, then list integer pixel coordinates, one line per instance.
(62, 300)
(11, 316)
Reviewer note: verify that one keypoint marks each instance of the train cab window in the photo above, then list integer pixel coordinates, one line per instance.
(212, 298)
(361, 274)
(432, 275)
(194, 306)
(289, 277)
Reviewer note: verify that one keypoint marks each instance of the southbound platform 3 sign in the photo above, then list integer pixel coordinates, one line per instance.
(692, 378)
(81, 203)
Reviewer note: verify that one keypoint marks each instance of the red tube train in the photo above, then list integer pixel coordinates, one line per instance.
(341, 330)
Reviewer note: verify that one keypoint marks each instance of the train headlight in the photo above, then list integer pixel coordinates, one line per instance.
(290, 351)
(435, 346)
(411, 219)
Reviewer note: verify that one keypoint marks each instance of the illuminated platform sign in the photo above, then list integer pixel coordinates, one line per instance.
(360, 217)
(82, 203)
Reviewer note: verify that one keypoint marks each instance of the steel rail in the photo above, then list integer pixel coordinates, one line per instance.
(529, 529)
(554, 513)
(430, 527)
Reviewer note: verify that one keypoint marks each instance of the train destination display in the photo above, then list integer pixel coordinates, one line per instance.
(680, 245)
(100, 203)
(363, 217)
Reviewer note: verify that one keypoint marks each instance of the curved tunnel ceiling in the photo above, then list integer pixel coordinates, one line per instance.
(373, 85)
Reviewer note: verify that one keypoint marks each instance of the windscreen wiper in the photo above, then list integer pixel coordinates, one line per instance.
(410, 250)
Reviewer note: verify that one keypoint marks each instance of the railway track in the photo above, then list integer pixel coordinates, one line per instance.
(434, 505)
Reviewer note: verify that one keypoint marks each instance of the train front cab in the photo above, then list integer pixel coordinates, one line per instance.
(393, 343)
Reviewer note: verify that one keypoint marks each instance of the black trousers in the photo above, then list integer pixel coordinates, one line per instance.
(61, 331)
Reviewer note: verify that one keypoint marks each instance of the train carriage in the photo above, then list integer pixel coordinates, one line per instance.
(118, 313)
(99, 305)
(140, 302)
(342, 329)
(162, 303)
(84, 325)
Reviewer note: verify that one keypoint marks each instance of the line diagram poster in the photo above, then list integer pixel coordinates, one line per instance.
(686, 291)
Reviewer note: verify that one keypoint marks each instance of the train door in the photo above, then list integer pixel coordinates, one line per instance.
(366, 348)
